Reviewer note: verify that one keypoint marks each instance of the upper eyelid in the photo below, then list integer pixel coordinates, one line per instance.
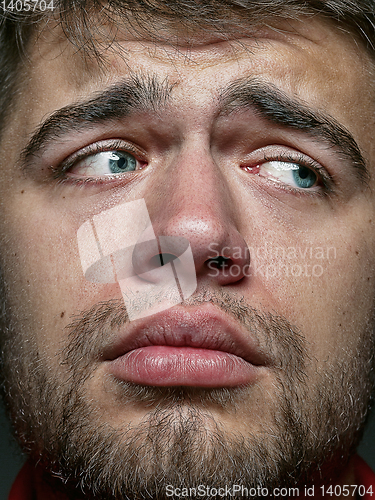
(95, 148)
(105, 145)
(292, 156)
(289, 156)
(306, 162)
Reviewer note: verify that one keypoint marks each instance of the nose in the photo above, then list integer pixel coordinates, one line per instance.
(192, 203)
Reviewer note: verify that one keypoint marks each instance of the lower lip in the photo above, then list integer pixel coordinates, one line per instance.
(164, 366)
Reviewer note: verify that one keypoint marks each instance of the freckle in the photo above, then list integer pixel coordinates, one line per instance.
(339, 324)
(368, 279)
(370, 221)
(62, 314)
(63, 197)
(22, 191)
(356, 252)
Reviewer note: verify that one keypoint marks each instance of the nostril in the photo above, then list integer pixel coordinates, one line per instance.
(219, 263)
(155, 253)
(161, 260)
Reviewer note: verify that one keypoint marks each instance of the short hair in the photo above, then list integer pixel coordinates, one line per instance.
(221, 16)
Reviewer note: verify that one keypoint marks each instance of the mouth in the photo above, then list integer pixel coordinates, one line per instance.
(186, 346)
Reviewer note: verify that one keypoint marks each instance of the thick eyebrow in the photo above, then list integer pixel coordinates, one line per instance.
(137, 93)
(279, 108)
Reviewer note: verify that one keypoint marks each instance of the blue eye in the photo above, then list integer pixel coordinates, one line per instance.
(105, 163)
(290, 173)
(304, 177)
(120, 161)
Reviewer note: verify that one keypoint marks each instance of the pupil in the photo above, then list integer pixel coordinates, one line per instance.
(121, 162)
(304, 172)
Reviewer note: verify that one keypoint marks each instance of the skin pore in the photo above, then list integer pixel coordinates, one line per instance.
(208, 167)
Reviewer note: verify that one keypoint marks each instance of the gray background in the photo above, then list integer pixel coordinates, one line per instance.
(11, 459)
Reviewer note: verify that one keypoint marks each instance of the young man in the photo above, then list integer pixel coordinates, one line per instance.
(187, 247)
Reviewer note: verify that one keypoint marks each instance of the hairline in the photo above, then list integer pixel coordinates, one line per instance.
(90, 50)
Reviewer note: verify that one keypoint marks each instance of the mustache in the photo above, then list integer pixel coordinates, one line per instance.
(93, 329)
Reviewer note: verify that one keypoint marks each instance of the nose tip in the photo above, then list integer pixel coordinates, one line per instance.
(219, 251)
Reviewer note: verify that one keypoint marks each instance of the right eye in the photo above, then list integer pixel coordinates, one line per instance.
(106, 163)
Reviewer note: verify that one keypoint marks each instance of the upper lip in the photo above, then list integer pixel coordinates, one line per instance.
(204, 327)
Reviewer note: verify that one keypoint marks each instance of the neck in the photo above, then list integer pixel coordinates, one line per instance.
(335, 489)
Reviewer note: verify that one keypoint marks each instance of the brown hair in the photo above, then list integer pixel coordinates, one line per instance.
(79, 18)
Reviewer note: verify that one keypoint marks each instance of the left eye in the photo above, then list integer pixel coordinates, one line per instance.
(293, 174)
(106, 163)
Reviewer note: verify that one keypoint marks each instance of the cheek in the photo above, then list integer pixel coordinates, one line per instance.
(41, 265)
(323, 282)
(342, 303)
(314, 264)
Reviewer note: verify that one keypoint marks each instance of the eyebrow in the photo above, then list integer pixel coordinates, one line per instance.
(142, 92)
(280, 108)
(138, 93)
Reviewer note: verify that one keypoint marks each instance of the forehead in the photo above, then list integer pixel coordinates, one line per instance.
(309, 58)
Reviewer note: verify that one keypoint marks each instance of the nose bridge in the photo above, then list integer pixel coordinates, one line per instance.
(197, 191)
(197, 201)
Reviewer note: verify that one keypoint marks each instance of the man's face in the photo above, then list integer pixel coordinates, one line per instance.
(246, 149)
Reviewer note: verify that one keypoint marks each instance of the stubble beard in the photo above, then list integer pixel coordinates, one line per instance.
(180, 441)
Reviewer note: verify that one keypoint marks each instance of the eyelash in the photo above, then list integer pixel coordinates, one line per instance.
(60, 172)
(323, 176)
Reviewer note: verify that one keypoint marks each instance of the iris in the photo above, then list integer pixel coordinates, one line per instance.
(121, 161)
(304, 177)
